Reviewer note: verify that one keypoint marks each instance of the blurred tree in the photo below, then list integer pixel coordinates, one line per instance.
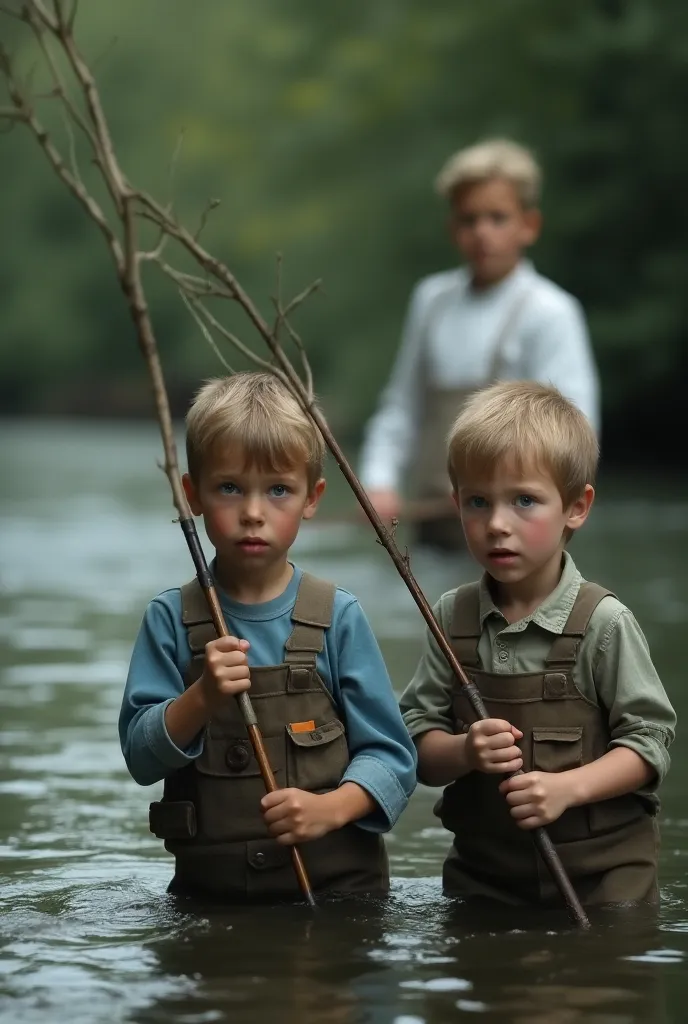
(320, 127)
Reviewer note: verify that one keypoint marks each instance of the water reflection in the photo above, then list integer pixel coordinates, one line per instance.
(89, 932)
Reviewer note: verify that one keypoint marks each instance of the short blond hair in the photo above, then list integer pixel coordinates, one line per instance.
(259, 414)
(530, 423)
(494, 158)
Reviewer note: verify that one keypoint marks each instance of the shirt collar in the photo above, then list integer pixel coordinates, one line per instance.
(523, 272)
(554, 611)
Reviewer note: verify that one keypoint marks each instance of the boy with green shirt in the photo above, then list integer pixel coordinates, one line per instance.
(343, 760)
(563, 668)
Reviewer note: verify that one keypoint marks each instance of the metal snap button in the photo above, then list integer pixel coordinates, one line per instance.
(316, 734)
(258, 859)
(237, 756)
(503, 656)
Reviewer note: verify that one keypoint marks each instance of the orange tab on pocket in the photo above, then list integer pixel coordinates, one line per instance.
(302, 726)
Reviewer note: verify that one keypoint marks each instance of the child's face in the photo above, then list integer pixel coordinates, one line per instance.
(251, 516)
(491, 228)
(516, 523)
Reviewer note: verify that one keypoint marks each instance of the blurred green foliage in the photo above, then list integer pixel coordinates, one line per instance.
(320, 128)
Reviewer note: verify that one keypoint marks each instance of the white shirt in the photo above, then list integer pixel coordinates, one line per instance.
(448, 340)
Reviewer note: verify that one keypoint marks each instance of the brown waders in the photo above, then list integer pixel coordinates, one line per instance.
(441, 406)
(609, 849)
(210, 814)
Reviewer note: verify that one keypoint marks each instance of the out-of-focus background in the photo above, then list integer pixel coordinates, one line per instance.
(320, 128)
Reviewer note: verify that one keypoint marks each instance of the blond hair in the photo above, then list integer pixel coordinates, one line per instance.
(259, 414)
(530, 423)
(494, 158)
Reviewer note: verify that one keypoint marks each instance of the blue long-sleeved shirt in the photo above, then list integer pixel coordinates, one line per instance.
(383, 758)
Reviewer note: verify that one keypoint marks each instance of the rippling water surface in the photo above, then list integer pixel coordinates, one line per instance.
(88, 932)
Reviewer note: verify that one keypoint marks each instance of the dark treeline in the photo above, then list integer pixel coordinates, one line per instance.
(320, 128)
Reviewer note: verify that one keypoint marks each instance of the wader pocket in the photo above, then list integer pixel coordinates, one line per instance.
(316, 760)
(558, 748)
(233, 756)
(230, 787)
(172, 819)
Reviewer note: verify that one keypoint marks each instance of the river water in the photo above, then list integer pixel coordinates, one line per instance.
(88, 932)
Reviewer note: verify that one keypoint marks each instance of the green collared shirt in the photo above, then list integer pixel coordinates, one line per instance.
(613, 668)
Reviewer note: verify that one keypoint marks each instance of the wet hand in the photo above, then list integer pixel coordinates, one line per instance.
(226, 672)
(491, 747)
(537, 798)
(295, 816)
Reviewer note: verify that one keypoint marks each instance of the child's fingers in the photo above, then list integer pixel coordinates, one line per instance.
(504, 767)
(500, 741)
(274, 799)
(279, 827)
(521, 782)
(226, 644)
(491, 727)
(517, 734)
(234, 686)
(505, 755)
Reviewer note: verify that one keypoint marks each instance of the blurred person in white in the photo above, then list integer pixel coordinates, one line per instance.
(495, 318)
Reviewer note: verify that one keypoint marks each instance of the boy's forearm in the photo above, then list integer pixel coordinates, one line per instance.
(348, 803)
(441, 757)
(186, 716)
(616, 773)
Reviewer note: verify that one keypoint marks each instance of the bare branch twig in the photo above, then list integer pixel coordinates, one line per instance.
(204, 330)
(211, 205)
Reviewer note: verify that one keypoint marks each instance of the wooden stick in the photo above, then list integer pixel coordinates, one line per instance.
(127, 257)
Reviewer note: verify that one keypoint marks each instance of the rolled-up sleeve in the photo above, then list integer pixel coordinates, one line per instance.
(426, 703)
(154, 680)
(640, 714)
(383, 757)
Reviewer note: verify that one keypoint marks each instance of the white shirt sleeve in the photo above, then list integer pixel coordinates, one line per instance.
(558, 352)
(392, 430)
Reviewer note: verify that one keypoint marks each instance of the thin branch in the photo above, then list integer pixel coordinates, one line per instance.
(305, 363)
(106, 158)
(48, 20)
(204, 330)
(211, 205)
(196, 286)
(277, 300)
(73, 183)
(68, 21)
(301, 297)
(233, 340)
(59, 86)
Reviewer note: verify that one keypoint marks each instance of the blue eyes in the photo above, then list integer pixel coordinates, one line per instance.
(521, 501)
(274, 491)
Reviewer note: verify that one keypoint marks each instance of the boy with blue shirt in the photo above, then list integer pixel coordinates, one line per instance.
(342, 757)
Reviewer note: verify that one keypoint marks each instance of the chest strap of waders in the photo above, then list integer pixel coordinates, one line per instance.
(465, 630)
(311, 615)
(564, 650)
